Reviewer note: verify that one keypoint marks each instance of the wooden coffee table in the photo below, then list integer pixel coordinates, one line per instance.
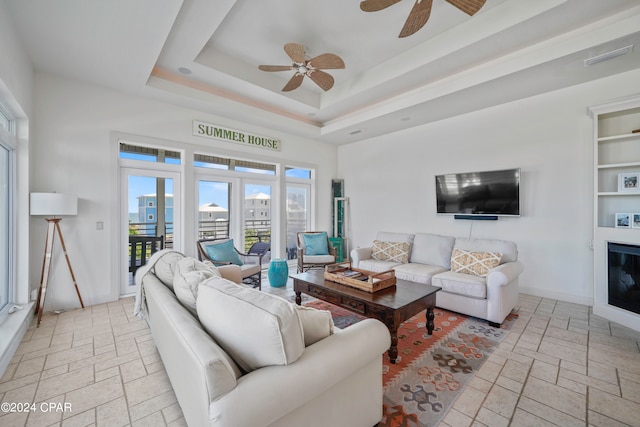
(392, 306)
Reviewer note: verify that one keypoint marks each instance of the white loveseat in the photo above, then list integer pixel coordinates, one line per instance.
(490, 294)
(335, 381)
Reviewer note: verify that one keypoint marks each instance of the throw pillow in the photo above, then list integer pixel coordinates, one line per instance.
(316, 324)
(189, 272)
(390, 251)
(223, 252)
(256, 329)
(316, 244)
(476, 263)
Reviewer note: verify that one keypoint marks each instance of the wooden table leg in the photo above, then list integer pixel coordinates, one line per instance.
(393, 350)
(430, 323)
(298, 298)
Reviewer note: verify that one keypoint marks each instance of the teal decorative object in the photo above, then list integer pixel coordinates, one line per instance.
(316, 244)
(278, 273)
(337, 243)
(224, 252)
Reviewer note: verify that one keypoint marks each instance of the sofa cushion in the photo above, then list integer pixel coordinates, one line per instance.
(387, 236)
(318, 259)
(390, 251)
(509, 250)
(316, 324)
(476, 263)
(419, 273)
(165, 267)
(376, 265)
(256, 329)
(189, 272)
(432, 249)
(461, 284)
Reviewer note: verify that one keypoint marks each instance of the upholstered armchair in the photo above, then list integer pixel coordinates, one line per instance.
(314, 250)
(222, 252)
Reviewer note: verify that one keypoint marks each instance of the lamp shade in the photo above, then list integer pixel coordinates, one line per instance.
(53, 204)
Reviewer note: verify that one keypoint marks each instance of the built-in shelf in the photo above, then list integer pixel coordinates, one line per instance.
(616, 151)
(617, 193)
(616, 137)
(619, 165)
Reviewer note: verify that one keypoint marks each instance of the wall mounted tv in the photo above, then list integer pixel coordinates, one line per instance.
(488, 193)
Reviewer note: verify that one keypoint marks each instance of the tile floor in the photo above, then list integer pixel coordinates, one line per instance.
(559, 366)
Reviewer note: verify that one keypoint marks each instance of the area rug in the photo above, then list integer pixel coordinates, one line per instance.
(431, 370)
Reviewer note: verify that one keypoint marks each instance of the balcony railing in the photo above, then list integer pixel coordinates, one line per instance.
(255, 231)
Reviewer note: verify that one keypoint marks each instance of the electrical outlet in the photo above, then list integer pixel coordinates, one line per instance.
(99, 225)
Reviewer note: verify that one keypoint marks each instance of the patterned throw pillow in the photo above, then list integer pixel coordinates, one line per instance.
(390, 251)
(476, 263)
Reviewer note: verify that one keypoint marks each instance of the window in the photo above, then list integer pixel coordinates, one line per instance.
(7, 220)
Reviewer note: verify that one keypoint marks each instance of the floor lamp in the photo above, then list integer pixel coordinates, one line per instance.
(53, 205)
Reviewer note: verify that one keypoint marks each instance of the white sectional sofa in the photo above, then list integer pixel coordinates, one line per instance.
(272, 363)
(483, 282)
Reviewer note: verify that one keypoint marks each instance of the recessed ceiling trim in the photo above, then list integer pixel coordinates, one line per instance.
(183, 81)
(549, 50)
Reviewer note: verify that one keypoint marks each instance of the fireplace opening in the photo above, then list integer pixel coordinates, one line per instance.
(624, 276)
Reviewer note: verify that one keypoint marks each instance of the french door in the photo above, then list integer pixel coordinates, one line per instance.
(232, 207)
(6, 238)
(298, 215)
(150, 217)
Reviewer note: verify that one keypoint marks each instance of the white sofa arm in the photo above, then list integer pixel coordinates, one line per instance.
(277, 390)
(504, 273)
(358, 255)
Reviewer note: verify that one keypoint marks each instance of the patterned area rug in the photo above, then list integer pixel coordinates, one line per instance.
(431, 370)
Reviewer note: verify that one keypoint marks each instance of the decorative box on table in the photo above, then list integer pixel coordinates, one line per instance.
(361, 279)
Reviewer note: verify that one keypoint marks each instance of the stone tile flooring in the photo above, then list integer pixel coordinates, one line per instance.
(559, 366)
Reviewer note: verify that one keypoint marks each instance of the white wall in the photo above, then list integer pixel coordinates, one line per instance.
(16, 93)
(72, 153)
(390, 181)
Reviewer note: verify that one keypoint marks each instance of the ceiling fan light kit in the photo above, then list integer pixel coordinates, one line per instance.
(311, 68)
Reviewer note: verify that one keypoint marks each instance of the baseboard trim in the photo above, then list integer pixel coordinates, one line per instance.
(14, 328)
(560, 296)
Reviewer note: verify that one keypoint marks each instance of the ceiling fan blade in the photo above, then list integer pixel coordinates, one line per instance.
(327, 61)
(322, 79)
(295, 52)
(376, 5)
(275, 67)
(470, 7)
(417, 18)
(293, 83)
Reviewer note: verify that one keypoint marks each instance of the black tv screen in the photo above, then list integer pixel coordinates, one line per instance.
(479, 193)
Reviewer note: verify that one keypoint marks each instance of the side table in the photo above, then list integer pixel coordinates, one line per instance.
(278, 273)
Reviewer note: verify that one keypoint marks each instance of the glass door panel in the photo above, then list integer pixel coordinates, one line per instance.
(151, 220)
(298, 215)
(256, 215)
(5, 237)
(214, 206)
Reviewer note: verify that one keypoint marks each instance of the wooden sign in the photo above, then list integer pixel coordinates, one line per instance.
(207, 130)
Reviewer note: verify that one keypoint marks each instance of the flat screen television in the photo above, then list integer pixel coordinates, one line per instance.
(489, 193)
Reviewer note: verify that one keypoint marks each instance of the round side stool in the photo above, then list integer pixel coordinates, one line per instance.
(278, 273)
